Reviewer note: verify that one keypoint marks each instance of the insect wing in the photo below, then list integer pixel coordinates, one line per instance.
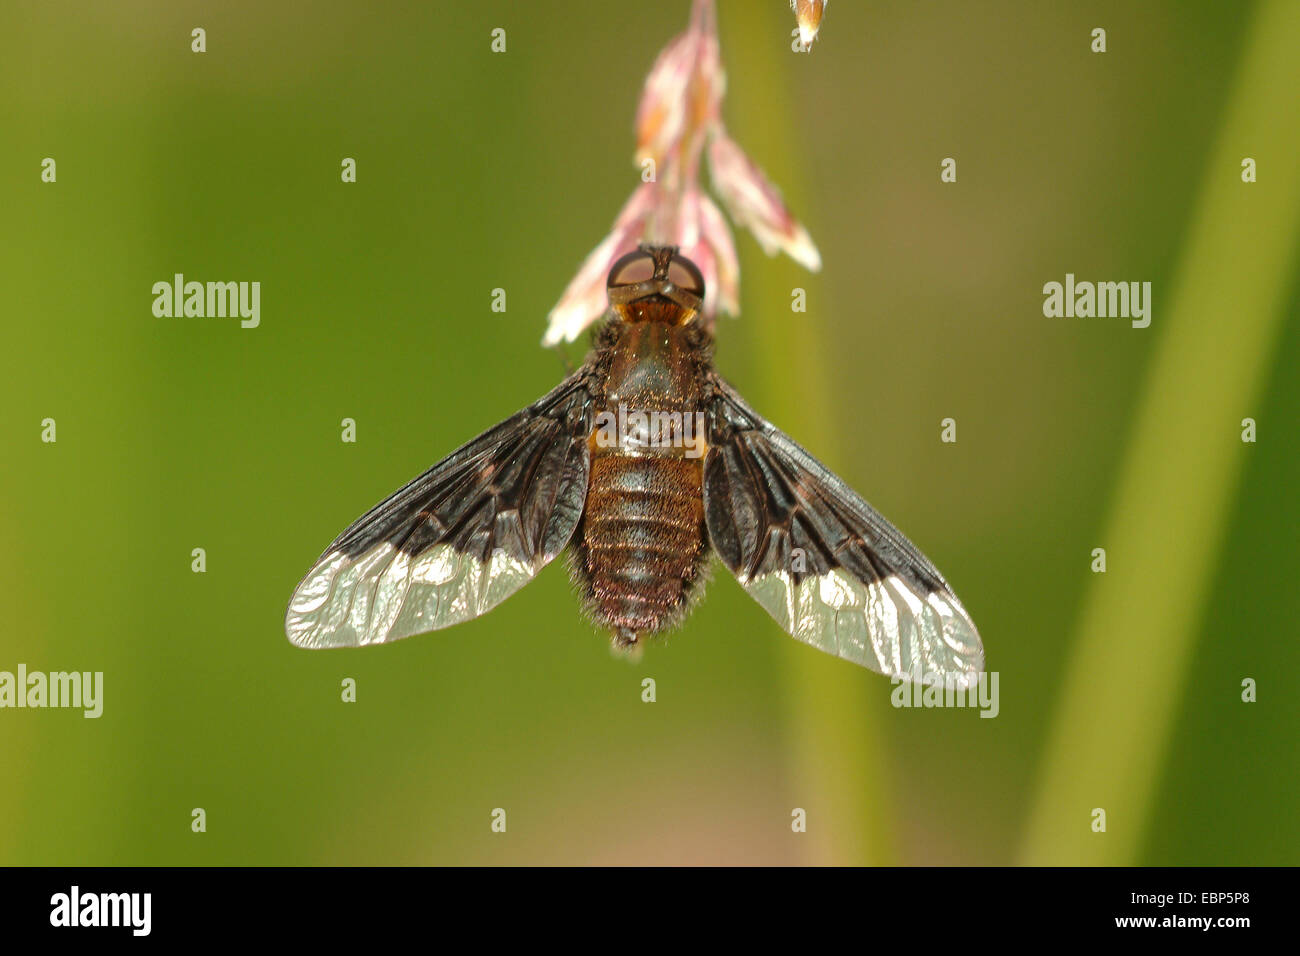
(460, 538)
(825, 564)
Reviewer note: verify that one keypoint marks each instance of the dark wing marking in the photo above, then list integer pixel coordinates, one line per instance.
(460, 538)
(824, 563)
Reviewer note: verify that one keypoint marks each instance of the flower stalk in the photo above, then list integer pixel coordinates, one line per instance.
(678, 125)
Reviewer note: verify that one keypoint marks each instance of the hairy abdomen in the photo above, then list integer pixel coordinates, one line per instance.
(642, 541)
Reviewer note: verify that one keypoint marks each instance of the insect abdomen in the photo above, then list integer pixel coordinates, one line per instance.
(642, 541)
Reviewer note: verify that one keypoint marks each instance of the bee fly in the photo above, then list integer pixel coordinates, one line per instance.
(643, 461)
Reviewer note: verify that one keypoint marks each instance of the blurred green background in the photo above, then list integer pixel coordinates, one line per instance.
(478, 171)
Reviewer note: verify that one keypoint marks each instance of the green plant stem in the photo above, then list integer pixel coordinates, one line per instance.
(1177, 481)
(833, 749)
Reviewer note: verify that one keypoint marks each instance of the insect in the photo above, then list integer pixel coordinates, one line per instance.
(642, 462)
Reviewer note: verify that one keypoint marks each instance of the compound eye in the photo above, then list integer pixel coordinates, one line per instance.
(634, 267)
(684, 274)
